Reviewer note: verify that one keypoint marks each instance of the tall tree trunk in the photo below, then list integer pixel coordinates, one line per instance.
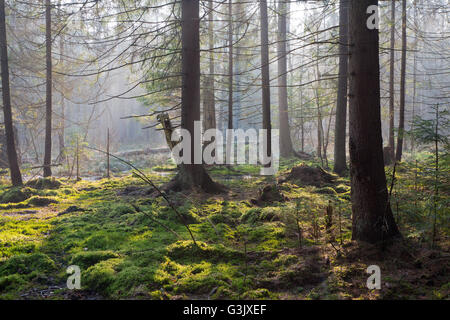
(340, 165)
(391, 142)
(209, 111)
(191, 175)
(16, 176)
(319, 113)
(414, 83)
(266, 121)
(61, 129)
(48, 104)
(319, 128)
(286, 149)
(401, 124)
(239, 13)
(230, 78)
(372, 216)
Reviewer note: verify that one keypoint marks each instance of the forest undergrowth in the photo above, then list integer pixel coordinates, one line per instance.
(130, 244)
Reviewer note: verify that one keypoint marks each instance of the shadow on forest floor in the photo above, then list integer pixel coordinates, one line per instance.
(273, 250)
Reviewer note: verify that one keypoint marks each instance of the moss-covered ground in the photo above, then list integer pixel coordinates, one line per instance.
(274, 250)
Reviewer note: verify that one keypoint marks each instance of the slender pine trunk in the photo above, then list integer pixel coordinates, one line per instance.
(340, 164)
(48, 104)
(16, 176)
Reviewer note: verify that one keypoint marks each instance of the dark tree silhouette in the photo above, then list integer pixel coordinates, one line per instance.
(191, 175)
(401, 124)
(16, 177)
(340, 165)
(286, 148)
(391, 142)
(372, 216)
(48, 103)
(266, 122)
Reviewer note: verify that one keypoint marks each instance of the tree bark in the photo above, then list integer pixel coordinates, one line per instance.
(286, 149)
(16, 176)
(373, 221)
(391, 142)
(191, 175)
(230, 78)
(266, 119)
(401, 124)
(61, 129)
(340, 165)
(48, 104)
(209, 110)
(414, 83)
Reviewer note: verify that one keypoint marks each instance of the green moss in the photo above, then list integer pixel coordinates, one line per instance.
(193, 278)
(105, 240)
(251, 216)
(44, 183)
(100, 276)
(11, 282)
(27, 263)
(222, 218)
(327, 190)
(346, 196)
(342, 188)
(187, 250)
(258, 294)
(129, 281)
(89, 258)
(41, 201)
(15, 195)
(285, 260)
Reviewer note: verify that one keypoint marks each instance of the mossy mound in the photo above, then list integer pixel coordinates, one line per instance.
(87, 259)
(41, 201)
(27, 263)
(342, 188)
(100, 276)
(15, 195)
(44, 183)
(303, 175)
(327, 190)
(11, 282)
(188, 250)
(258, 214)
(269, 194)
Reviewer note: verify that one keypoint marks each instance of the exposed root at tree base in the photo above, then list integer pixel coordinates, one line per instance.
(194, 178)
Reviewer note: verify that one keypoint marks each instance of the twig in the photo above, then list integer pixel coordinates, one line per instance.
(154, 220)
(144, 178)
